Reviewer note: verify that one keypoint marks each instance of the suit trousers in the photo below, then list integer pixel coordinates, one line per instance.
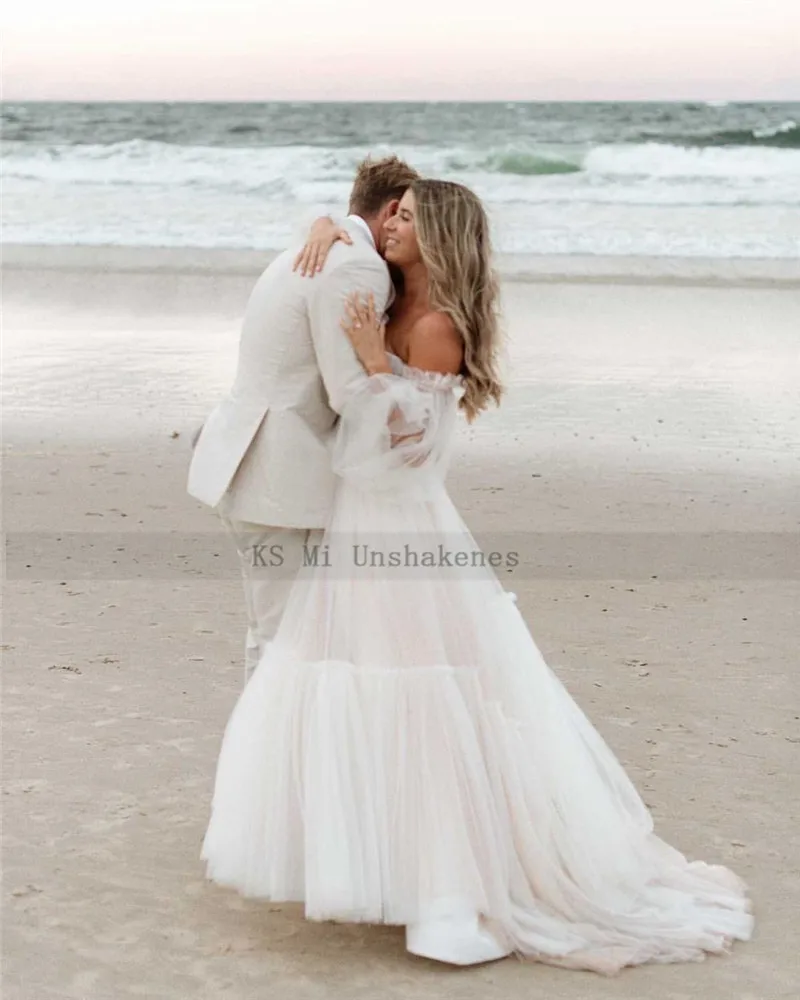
(270, 559)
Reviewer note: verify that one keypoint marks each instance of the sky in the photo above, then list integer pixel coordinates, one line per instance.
(239, 50)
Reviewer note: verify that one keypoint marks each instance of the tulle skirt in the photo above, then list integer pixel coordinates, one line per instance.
(403, 741)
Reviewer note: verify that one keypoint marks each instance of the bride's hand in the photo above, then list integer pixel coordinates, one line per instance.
(324, 233)
(366, 332)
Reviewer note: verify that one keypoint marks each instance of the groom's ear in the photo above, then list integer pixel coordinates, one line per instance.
(391, 208)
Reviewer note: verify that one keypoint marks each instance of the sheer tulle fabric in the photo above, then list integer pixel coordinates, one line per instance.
(403, 739)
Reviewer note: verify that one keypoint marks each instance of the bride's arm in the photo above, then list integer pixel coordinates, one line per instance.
(395, 430)
(367, 333)
(397, 421)
(434, 344)
(323, 234)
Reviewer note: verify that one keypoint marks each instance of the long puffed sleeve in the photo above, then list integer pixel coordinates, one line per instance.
(395, 430)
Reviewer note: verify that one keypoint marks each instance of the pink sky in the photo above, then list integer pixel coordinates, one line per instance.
(416, 50)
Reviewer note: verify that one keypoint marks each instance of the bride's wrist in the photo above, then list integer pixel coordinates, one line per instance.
(322, 224)
(377, 364)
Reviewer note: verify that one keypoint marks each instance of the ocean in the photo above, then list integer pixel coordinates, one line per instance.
(656, 179)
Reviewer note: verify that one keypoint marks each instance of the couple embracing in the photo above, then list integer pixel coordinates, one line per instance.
(400, 752)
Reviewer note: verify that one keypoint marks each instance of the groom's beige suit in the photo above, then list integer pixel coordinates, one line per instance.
(263, 455)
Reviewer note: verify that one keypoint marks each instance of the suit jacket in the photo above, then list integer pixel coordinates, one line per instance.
(263, 454)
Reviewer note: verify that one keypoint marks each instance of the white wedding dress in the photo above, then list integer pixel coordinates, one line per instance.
(402, 740)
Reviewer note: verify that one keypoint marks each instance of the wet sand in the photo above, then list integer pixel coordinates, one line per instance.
(650, 430)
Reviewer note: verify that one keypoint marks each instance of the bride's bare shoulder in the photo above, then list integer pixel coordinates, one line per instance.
(435, 345)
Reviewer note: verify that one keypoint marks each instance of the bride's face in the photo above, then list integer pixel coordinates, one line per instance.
(400, 238)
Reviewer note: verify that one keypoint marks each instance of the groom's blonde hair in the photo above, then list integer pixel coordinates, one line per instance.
(379, 181)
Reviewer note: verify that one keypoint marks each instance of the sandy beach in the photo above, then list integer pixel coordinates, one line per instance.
(646, 464)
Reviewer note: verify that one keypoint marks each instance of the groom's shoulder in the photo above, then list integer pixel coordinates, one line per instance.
(358, 254)
(349, 267)
(276, 263)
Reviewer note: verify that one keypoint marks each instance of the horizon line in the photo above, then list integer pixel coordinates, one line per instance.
(391, 100)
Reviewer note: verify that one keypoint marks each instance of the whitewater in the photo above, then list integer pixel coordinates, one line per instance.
(553, 184)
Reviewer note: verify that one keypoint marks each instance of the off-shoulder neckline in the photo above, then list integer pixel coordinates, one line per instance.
(439, 377)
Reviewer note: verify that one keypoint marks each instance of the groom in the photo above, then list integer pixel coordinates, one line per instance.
(262, 458)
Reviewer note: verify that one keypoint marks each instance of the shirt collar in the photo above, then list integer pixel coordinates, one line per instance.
(360, 222)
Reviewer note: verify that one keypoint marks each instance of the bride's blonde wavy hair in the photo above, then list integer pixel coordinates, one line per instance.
(453, 236)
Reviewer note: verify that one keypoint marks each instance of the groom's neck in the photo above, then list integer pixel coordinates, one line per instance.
(374, 227)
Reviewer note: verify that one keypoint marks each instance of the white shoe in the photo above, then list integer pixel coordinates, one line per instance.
(455, 937)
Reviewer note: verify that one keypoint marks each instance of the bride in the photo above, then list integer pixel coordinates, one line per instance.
(402, 753)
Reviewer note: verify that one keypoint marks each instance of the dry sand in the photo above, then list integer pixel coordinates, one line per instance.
(651, 430)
